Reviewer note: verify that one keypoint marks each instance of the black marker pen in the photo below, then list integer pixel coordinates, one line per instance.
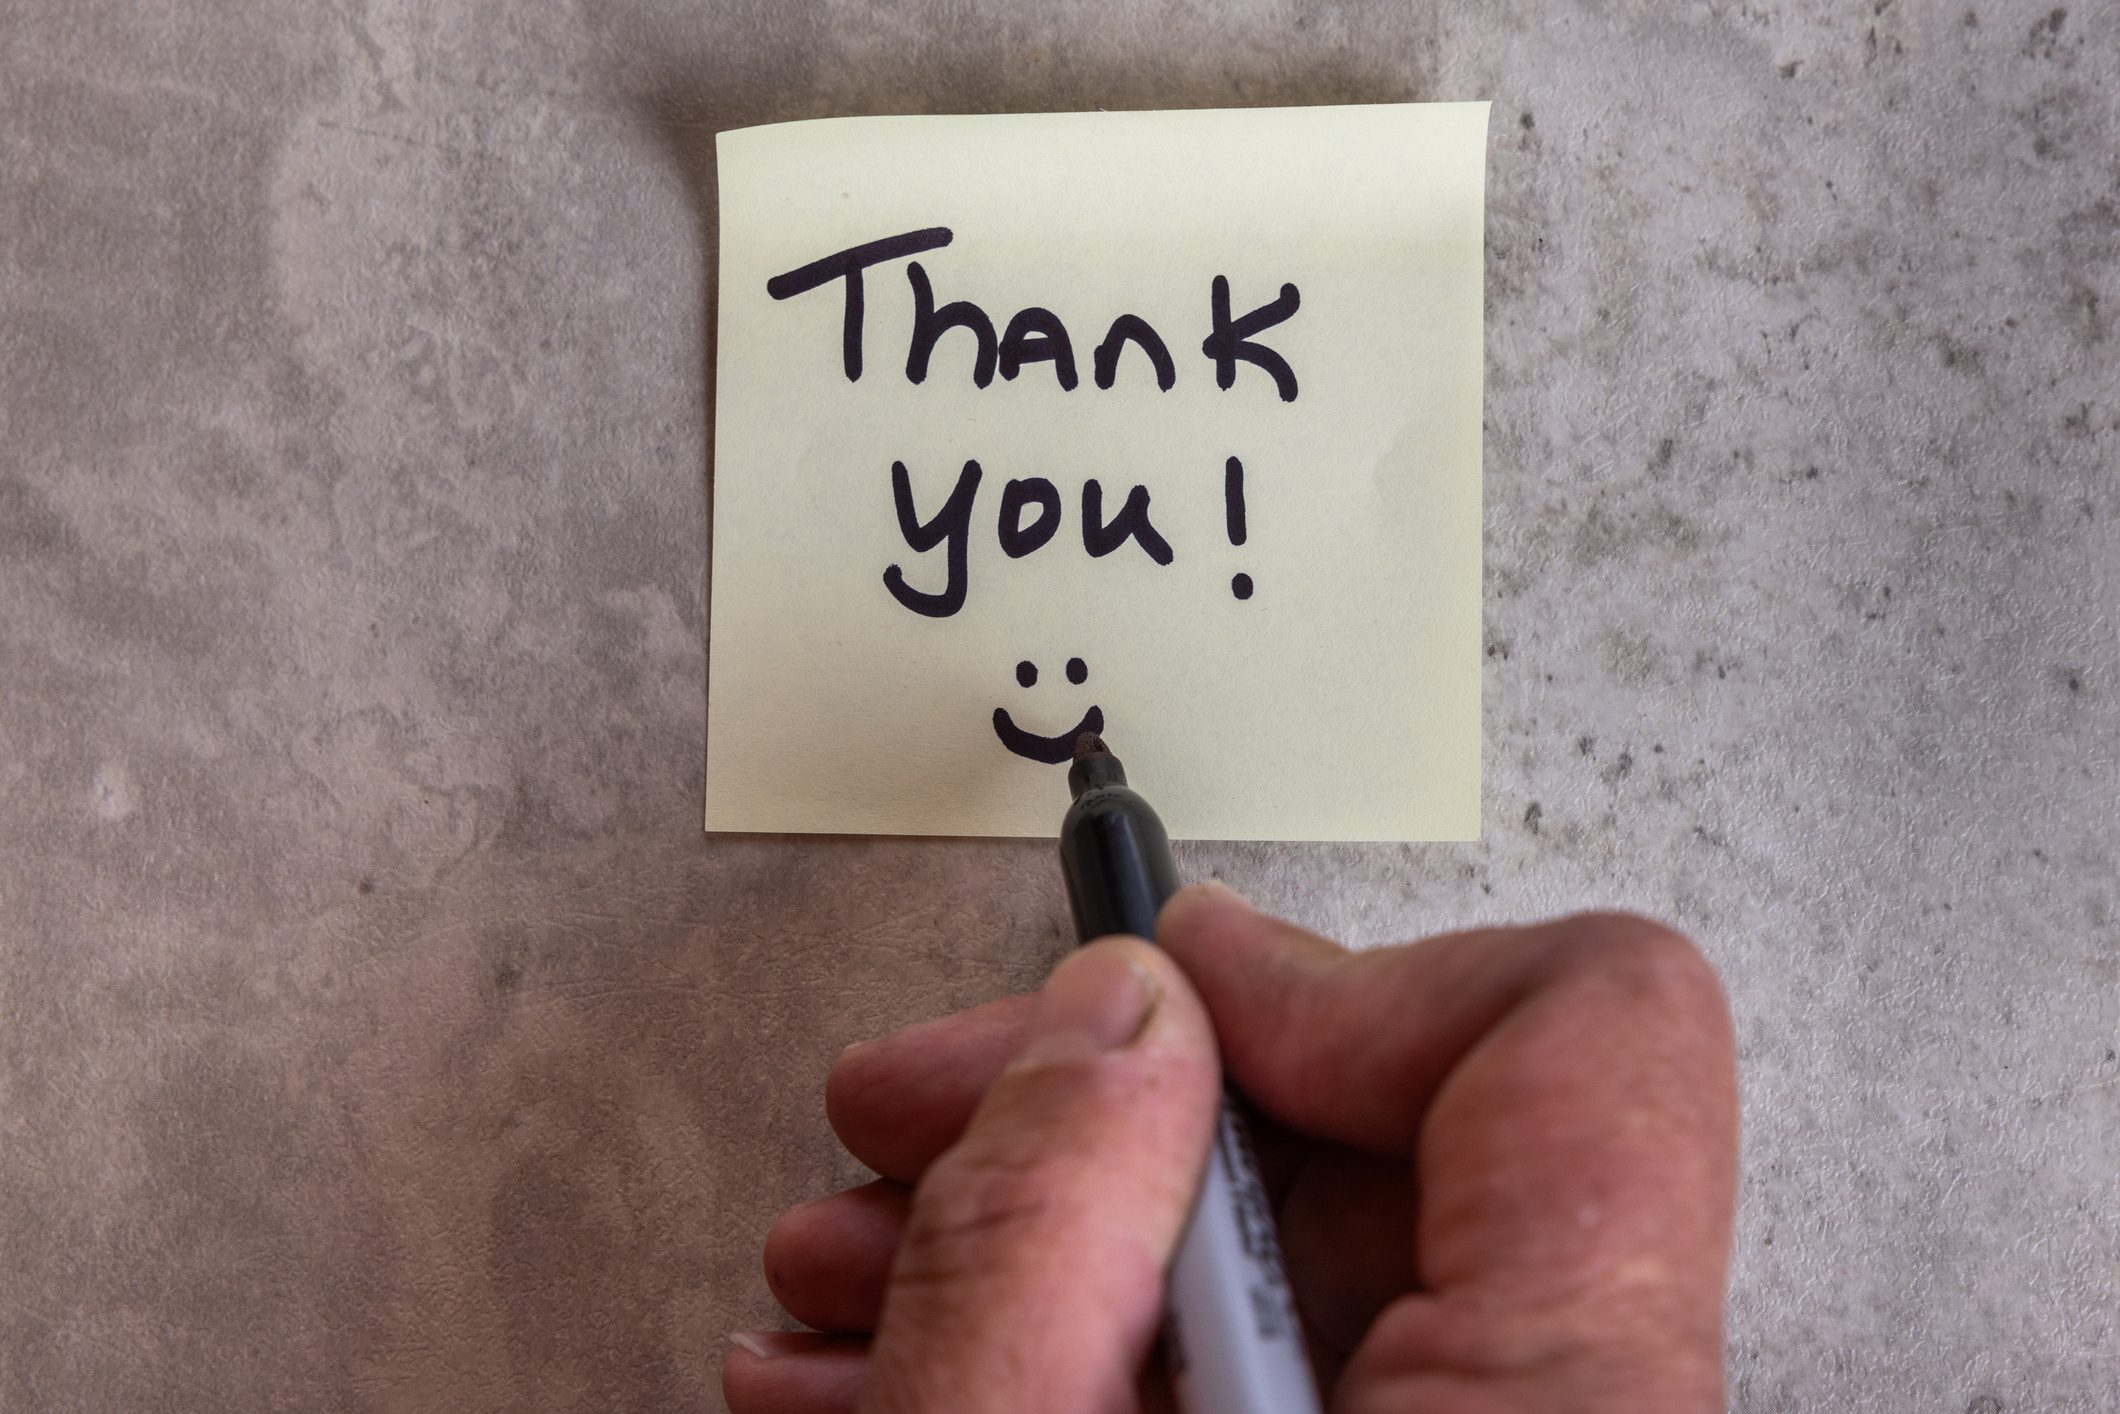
(1232, 1338)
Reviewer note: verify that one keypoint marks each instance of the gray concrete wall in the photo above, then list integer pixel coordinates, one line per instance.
(377, 1030)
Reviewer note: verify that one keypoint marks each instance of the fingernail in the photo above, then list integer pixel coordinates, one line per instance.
(853, 1049)
(767, 1345)
(1098, 1000)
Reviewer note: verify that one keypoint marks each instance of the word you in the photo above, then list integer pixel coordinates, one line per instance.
(1034, 335)
(951, 528)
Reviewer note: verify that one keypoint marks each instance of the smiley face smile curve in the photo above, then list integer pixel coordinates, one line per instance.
(1052, 750)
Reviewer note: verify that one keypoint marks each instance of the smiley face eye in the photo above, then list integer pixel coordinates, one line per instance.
(1077, 671)
(1027, 674)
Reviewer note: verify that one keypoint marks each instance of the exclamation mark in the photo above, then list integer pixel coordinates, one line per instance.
(1233, 512)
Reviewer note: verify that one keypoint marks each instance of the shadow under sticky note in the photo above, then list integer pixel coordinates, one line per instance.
(1162, 425)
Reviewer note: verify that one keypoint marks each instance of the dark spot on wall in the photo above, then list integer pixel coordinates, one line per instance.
(508, 976)
(1788, 70)
(1525, 121)
(1663, 452)
(1810, 473)
(1584, 745)
(1956, 354)
(1533, 813)
(1622, 766)
(1984, 1404)
(2082, 307)
(2043, 41)
(31, 525)
(366, 886)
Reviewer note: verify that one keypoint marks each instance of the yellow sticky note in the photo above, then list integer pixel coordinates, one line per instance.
(1165, 425)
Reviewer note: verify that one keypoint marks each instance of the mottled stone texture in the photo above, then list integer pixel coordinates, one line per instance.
(377, 1029)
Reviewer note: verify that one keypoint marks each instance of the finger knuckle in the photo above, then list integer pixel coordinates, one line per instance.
(1650, 958)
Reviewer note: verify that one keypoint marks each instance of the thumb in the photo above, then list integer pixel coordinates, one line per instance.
(1030, 1275)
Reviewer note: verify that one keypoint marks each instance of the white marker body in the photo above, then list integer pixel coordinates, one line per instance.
(1233, 1340)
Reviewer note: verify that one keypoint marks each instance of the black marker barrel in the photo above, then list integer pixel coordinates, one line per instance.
(1114, 851)
(1232, 1342)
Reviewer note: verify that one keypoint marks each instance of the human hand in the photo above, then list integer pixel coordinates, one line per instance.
(1504, 1166)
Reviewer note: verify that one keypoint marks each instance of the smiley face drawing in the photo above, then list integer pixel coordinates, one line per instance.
(1052, 750)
